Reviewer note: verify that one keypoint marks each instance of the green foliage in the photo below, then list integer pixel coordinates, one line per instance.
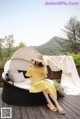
(7, 48)
(72, 30)
(76, 57)
(55, 46)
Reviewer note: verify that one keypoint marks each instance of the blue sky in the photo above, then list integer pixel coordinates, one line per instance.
(33, 22)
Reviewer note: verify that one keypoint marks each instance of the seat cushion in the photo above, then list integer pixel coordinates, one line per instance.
(15, 76)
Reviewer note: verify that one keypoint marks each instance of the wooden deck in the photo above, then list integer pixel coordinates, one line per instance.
(71, 104)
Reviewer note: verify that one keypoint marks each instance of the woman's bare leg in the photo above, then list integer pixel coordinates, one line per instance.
(60, 109)
(47, 97)
(50, 104)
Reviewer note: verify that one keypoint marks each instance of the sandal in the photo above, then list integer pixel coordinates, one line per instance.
(54, 109)
(62, 111)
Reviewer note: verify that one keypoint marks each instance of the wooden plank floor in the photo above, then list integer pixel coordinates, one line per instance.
(71, 104)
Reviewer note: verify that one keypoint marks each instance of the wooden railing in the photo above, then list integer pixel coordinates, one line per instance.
(57, 74)
(1, 71)
(51, 74)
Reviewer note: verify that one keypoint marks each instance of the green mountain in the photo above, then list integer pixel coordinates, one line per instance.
(55, 46)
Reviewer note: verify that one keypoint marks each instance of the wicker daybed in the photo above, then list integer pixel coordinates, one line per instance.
(19, 94)
(21, 97)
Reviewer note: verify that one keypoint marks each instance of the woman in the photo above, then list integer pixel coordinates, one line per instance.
(37, 72)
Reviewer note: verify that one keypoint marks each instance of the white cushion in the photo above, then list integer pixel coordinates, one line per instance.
(11, 72)
(23, 85)
(4, 76)
(17, 77)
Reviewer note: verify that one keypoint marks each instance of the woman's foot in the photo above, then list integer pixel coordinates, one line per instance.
(52, 107)
(61, 110)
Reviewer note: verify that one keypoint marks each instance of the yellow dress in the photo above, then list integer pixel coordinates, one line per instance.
(39, 85)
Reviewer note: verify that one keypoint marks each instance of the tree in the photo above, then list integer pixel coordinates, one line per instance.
(1, 48)
(9, 44)
(21, 44)
(73, 33)
(7, 48)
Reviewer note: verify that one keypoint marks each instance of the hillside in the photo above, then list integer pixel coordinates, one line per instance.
(55, 46)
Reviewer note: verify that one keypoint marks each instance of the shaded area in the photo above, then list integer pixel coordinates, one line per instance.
(71, 104)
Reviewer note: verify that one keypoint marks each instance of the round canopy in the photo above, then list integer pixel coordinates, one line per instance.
(21, 59)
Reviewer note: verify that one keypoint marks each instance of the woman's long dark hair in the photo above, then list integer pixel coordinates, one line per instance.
(40, 64)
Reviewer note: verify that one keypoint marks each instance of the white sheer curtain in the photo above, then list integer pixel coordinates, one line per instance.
(70, 79)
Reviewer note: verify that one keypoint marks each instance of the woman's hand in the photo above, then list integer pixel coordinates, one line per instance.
(36, 82)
